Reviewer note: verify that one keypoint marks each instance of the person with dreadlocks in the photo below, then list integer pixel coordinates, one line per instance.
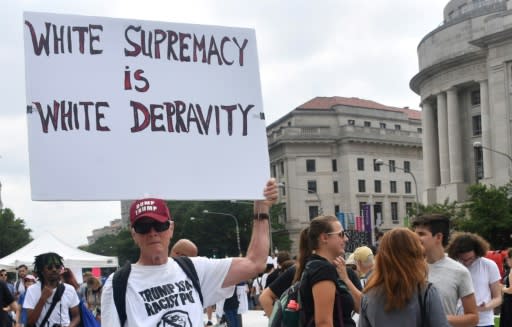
(49, 303)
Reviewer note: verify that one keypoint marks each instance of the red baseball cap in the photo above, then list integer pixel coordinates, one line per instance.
(151, 208)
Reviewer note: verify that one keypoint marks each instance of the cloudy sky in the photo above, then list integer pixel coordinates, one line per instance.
(349, 48)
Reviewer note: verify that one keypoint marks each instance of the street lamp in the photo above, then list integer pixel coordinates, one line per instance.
(380, 162)
(478, 145)
(236, 225)
(320, 211)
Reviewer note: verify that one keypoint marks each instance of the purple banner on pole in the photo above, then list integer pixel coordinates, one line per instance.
(367, 217)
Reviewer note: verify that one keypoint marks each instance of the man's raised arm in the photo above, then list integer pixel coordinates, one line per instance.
(254, 262)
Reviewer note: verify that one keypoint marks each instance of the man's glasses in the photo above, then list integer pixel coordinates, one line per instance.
(340, 234)
(144, 228)
(3, 275)
(56, 266)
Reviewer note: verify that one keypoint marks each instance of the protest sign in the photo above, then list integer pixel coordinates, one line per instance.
(120, 109)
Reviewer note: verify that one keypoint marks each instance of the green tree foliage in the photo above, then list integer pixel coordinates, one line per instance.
(488, 211)
(214, 235)
(120, 245)
(451, 209)
(280, 236)
(14, 234)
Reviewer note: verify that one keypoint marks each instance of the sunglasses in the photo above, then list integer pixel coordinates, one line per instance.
(340, 234)
(144, 228)
(29, 280)
(51, 266)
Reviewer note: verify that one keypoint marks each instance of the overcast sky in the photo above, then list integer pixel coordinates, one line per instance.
(348, 48)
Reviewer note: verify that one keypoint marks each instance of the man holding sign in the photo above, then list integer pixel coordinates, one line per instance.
(158, 291)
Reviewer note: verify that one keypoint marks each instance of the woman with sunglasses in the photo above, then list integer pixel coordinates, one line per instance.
(397, 292)
(326, 299)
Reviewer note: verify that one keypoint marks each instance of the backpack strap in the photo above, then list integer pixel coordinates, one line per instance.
(119, 284)
(56, 298)
(190, 270)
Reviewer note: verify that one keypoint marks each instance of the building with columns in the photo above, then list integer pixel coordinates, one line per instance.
(465, 84)
(323, 154)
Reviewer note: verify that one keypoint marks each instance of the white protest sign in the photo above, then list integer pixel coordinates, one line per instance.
(118, 109)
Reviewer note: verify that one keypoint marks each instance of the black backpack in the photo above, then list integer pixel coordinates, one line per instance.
(120, 282)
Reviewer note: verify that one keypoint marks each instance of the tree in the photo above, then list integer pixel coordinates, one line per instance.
(489, 214)
(120, 245)
(280, 236)
(14, 234)
(214, 235)
(450, 209)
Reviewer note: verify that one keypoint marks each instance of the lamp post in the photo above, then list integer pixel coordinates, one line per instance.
(320, 211)
(478, 145)
(380, 162)
(236, 225)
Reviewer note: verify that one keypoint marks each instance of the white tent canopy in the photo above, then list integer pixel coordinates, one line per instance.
(74, 258)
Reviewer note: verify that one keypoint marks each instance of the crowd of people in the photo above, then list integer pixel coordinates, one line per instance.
(418, 276)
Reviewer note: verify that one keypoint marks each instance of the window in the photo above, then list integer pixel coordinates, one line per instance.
(281, 166)
(361, 185)
(283, 188)
(375, 166)
(377, 210)
(311, 187)
(274, 171)
(382, 125)
(408, 208)
(477, 125)
(419, 129)
(479, 163)
(313, 212)
(391, 166)
(407, 166)
(310, 165)
(475, 98)
(394, 212)
(284, 214)
(336, 209)
(367, 124)
(351, 122)
(392, 186)
(360, 163)
(407, 187)
(334, 165)
(398, 127)
(377, 186)
(335, 186)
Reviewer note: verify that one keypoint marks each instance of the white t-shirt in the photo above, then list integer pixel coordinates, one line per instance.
(19, 287)
(484, 272)
(452, 280)
(243, 303)
(259, 281)
(60, 314)
(164, 296)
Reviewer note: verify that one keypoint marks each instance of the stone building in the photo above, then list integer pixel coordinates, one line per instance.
(465, 84)
(323, 153)
(113, 229)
